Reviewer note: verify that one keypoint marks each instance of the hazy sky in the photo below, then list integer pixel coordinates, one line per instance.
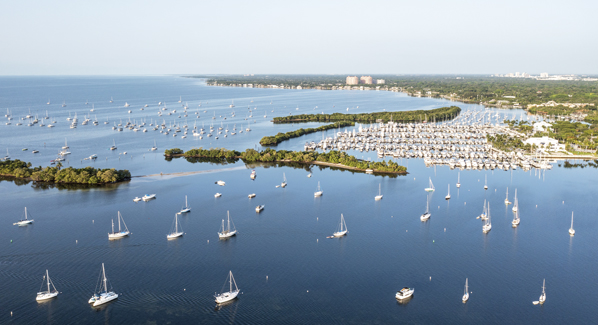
(346, 37)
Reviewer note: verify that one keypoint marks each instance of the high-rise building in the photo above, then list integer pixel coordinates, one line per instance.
(367, 80)
(352, 80)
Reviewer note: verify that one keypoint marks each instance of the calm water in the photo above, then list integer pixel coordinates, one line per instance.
(284, 265)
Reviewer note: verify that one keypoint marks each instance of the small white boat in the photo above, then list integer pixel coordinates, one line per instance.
(148, 197)
(426, 214)
(226, 232)
(48, 294)
(404, 293)
(284, 181)
(24, 222)
(221, 183)
(175, 233)
(251, 196)
(515, 202)
(229, 295)
(516, 220)
(485, 182)
(121, 233)
(430, 188)
(484, 214)
(103, 296)
(253, 174)
(571, 230)
(186, 208)
(542, 299)
(309, 175)
(369, 171)
(379, 196)
(113, 145)
(127, 104)
(466, 294)
(65, 145)
(136, 199)
(342, 228)
(458, 179)
(154, 148)
(507, 202)
(259, 208)
(218, 195)
(448, 196)
(318, 192)
(487, 223)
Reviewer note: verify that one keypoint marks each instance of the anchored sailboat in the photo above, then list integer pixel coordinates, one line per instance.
(284, 181)
(542, 299)
(431, 186)
(318, 192)
(342, 228)
(24, 222)
(516, 219)
(487, 223)
(121, 233)
(186, 208)
(226, 232)
(379, 196)
(230, 294)
(466, 294)
(571, 230)
(49, 294)
(103, 296)
(175, 232)
(507, 202)
(427, 214)
(448, 196)
(458, 179)
(485, 182)
(516, 202)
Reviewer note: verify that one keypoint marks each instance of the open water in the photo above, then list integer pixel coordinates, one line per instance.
(287, 270)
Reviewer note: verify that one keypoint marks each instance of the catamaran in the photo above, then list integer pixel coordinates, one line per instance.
(23, 222)
(431, 187)
(319, 191)
(458, 179)
(186, 208)
(103, 296)
(230, 294)
(427, 214)
(515, 202)
(284, 181)
(571, 230)
(342, 228)
(487, 223)
(121, 233)
(466, 294)
(379, 196)
(175, 233)
(226, 232)
(448, 196)
(49, 294)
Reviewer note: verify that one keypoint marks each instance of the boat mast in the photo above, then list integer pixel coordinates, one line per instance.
(48, 278)
(228, 222)
(104, 273)
(176, 223)
(119, 221)
(230, 281)
(25, 207)
(113, 226)
(571, 219)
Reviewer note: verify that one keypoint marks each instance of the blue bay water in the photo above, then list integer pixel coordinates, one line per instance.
(287, 270)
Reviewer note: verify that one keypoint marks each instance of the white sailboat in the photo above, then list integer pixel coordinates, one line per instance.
(458, 179)
(516, 220)
(226, 232)
(229, 295)
(253, 174)
(121, 233)
(284, 181)
(466, 294)
(154, 148)
(259, 208)
(342, 228)
(48, 294)
(186, 208)
(175, 232)
(542, 299)
(484, 214)
(66, 146)
(113, 145)
(507, 202)
(448, 196)
(23, 222)
(515, 202)
(571, 230)
(103, 296)
(487, 223)
(431, 186)
(485, 182)
(379, 196)
(427, 214)
(318, 192)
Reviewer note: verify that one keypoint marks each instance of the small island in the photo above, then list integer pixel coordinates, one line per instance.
(87, 175)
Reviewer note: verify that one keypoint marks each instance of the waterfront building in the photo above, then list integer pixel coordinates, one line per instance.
(367, 80)
(352, 80)
(380, 81)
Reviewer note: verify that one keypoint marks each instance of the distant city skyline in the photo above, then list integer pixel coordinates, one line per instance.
(309, 37)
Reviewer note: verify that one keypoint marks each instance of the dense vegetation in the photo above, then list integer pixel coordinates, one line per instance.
(280, 137)
(438, 114)
(271, 155)
(506, 143)
(87, 175)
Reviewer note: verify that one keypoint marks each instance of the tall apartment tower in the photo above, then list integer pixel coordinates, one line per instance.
(367, 80)
(352, 80)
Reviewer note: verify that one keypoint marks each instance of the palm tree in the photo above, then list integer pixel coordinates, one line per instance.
(59, 165)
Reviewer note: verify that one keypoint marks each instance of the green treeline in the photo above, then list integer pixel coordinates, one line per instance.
(438, 114)
(271, 155)
(506, 143)
(280, 137)
(70, 175)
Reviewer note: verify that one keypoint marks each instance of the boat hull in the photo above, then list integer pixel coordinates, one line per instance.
(340, 233)
(227, 235)
(46, 296)
(226, 297)
(378, 197)
(105, 298)
(118, 235)
(174, 235)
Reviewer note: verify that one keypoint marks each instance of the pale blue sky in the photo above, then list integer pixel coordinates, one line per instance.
(373, 37)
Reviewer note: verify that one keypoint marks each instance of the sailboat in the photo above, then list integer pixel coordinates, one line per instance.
(175, 232)
(227, 232)
(66, 146)
(466, 294)
(23, 222)
(516, 220)
(111, 100)
(121, 233)
(379, 196)
(103, 296)
(458, 179)
(49, 294)
(431, 187)
(427, 214)
(284, 181)
(230, 294)
(516, 202)
(484, 214)
(485, 182)
(342, 228)
(154, 148)
(571, 230)
(63, 103)
(48, 103)
(113, 145)
(318, 192)
(507, 202)
(487, 223)
(542, 299)
(253, 174)
(186, 208)
(448, 196)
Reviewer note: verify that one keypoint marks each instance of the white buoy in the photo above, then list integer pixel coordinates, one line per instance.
(444, 229)
(266, 277)
(93, 221)
(430, 278)
(563, 202)
(208, 241)
(317, 240)
(184, 289)
(464, 203)
(406, 230)
(76, 241)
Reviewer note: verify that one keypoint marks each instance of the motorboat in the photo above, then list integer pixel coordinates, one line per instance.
(404, 293)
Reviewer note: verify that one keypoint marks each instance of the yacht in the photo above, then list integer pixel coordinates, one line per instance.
(49, 293)
(542, 299)
(136, 199)
(319, 191)
(218, 195)
(448, 196)
(175, 233)
(515, 202)
(507, 202)
(284, 181)
(230, 294)
(404, 293)
(253, 174)
(24, 222)
(458, 179)
(103, 296)
(113, 145)
(121, 233)
(226, 232)
(516, 220)
(148, 197)
(251, 196)
(221, 183)
(342, 228)
(485, 182)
